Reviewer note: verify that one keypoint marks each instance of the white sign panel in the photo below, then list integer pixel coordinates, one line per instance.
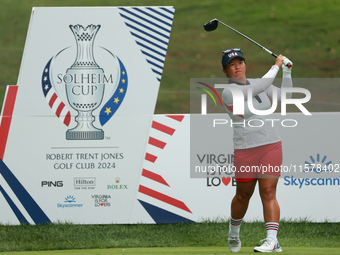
(169, 193)
(75, 127)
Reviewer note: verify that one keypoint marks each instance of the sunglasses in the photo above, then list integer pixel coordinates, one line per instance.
(230, 50)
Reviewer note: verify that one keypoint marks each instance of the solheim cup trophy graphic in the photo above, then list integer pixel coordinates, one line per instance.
(85, 85)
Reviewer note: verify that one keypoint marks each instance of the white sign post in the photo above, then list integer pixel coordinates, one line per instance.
(76, 125)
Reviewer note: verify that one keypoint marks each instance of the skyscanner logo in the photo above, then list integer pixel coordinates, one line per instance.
(301, 182)
(316, 164)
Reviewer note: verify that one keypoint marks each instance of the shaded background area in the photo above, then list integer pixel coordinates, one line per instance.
(306, 31)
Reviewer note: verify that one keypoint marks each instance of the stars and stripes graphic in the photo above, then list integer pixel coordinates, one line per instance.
(62, 111)
(153, 187)
(151, 29)
(52, 97)
(117, 98)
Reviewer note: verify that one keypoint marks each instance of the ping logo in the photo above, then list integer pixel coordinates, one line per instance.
(57, 184)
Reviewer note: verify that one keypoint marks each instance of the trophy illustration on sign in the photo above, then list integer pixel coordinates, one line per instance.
(84, 86)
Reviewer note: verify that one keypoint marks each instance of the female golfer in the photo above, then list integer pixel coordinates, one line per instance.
(257, 144)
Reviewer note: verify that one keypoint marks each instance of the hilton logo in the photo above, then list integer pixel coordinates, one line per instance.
(84, 183)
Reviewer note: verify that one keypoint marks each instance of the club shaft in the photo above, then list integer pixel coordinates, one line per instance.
(270, 52)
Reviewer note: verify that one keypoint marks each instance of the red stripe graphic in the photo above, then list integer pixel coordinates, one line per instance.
(7, 117)
(176, 117)
(163, 198)
(154, 177)
(156, 142)
(163, 128)
(52, 100)
(60, 108)
(67, 119)
(150, 157)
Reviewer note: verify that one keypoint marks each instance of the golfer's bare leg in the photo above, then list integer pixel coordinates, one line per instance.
(239, 204)
(271, 208)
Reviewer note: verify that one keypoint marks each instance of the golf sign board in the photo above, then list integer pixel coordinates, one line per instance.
(85, 96)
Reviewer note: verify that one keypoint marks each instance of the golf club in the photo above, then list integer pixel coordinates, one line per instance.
(212, 25)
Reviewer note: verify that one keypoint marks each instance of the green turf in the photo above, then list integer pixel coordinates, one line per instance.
(178, 251)
(208, 234)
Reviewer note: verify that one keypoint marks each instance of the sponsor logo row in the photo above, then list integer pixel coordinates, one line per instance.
(85, 183)
(99, 200)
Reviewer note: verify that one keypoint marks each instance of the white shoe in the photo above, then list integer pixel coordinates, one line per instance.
(277, 248)
(234, 244)
(269, 245)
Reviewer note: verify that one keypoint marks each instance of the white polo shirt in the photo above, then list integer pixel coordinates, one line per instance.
(255, 130)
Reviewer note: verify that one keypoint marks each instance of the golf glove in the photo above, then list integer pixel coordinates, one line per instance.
(285, 68)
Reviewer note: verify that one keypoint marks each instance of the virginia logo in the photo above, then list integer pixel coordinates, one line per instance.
(217, 181)
(84, 85)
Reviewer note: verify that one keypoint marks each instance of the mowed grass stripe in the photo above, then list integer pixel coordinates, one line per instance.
(177, 251)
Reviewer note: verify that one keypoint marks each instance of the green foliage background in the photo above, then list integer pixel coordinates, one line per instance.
(306, 31)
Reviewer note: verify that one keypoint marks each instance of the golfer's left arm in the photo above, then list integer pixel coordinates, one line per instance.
(286, 80)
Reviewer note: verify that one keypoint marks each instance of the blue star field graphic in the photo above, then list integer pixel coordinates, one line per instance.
(117, 98)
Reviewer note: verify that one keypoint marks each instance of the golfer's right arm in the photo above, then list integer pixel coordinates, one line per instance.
(256, 85)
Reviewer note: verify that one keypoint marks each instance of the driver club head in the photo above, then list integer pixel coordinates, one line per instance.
(211, 25)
